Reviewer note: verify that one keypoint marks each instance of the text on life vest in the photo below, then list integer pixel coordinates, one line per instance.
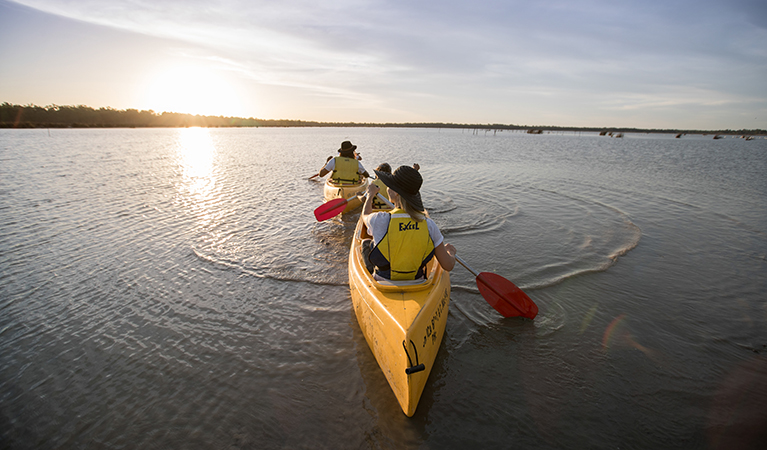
(408, 226)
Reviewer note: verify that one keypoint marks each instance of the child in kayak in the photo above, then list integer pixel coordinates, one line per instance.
(377, 202)
(404, 239)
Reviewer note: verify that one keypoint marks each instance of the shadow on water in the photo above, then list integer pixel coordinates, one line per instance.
(462, 379)
(738, 416)
(389, 427)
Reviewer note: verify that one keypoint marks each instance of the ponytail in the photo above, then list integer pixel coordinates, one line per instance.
(412, 212)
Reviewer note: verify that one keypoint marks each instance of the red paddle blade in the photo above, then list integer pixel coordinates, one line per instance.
(505, 297)
(330, 209)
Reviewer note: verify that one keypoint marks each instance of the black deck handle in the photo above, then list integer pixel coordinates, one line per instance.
(415, 369)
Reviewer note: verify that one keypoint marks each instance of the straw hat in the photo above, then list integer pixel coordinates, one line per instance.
(405, 181)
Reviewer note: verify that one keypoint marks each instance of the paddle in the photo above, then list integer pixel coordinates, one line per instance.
(336, 206)
(330, 209)
(502, 294)
(314, 176)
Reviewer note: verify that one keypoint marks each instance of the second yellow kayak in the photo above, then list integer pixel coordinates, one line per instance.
(346, 190)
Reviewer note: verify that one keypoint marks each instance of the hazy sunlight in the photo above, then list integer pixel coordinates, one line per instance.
(192, 90)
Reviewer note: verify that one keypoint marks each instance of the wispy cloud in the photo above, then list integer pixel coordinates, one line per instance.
(487, 57)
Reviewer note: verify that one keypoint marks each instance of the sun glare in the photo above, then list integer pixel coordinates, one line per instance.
(192, 90)
(196, 156)
(196, 153)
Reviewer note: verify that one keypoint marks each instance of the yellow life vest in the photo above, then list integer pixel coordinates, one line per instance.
(403, 252)
(377, 203)
(346, 171)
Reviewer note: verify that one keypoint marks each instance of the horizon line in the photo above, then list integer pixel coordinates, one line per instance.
(309, 123)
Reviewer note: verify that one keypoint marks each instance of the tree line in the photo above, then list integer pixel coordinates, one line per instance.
(81, 116)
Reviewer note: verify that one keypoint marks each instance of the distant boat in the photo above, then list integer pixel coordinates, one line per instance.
(618, 135)
(679, 135)
(717, 137)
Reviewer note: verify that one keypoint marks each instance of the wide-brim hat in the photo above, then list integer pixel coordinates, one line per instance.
(347, 147)
(405, 181)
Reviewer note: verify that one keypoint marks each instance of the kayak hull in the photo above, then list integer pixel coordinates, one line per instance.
(345, 190)
(402, 324)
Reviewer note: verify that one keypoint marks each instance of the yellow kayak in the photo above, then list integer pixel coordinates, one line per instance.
(346, 190)
(403, 322)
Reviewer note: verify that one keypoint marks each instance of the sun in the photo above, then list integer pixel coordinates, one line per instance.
(192, 89)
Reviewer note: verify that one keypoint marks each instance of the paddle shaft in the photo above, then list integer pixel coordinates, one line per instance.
(385, 200)
(463, 263)
(380, 197)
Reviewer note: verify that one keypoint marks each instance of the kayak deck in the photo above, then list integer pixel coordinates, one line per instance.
(348, 191)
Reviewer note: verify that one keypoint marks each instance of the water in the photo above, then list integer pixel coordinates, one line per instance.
(171, 289)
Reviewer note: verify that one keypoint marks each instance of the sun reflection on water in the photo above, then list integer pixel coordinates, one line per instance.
(196, 152)
(196, 157)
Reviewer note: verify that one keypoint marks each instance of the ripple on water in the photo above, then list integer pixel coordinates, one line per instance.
(546, 236)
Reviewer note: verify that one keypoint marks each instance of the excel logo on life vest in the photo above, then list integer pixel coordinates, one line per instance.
(408, 226)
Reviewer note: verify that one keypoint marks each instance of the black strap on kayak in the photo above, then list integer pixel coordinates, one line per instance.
(412, 369)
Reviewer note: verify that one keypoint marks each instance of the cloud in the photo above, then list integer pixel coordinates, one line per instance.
(408, 52)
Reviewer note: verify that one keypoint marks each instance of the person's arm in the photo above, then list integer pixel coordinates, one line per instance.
(324, 171)
(361, 170)
(371, 194)
(445, 254)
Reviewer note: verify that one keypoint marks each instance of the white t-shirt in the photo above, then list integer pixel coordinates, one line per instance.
(331, 166)
(378, 225)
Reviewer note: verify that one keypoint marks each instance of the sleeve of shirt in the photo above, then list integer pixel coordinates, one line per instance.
(377, 224)
(436, 235)
(361, 167)
(331, 165)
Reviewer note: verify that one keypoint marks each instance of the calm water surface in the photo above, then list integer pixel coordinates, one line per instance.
(171, 289)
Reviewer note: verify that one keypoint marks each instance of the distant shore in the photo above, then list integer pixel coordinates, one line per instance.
(80, 116)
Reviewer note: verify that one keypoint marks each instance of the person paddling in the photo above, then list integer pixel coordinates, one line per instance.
(377, 202)
(404, 239)
(346, 167)
(384, 167)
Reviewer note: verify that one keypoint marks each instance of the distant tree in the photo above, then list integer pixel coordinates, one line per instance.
(55, 116)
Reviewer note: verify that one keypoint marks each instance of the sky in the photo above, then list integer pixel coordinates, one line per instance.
(653, 64)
